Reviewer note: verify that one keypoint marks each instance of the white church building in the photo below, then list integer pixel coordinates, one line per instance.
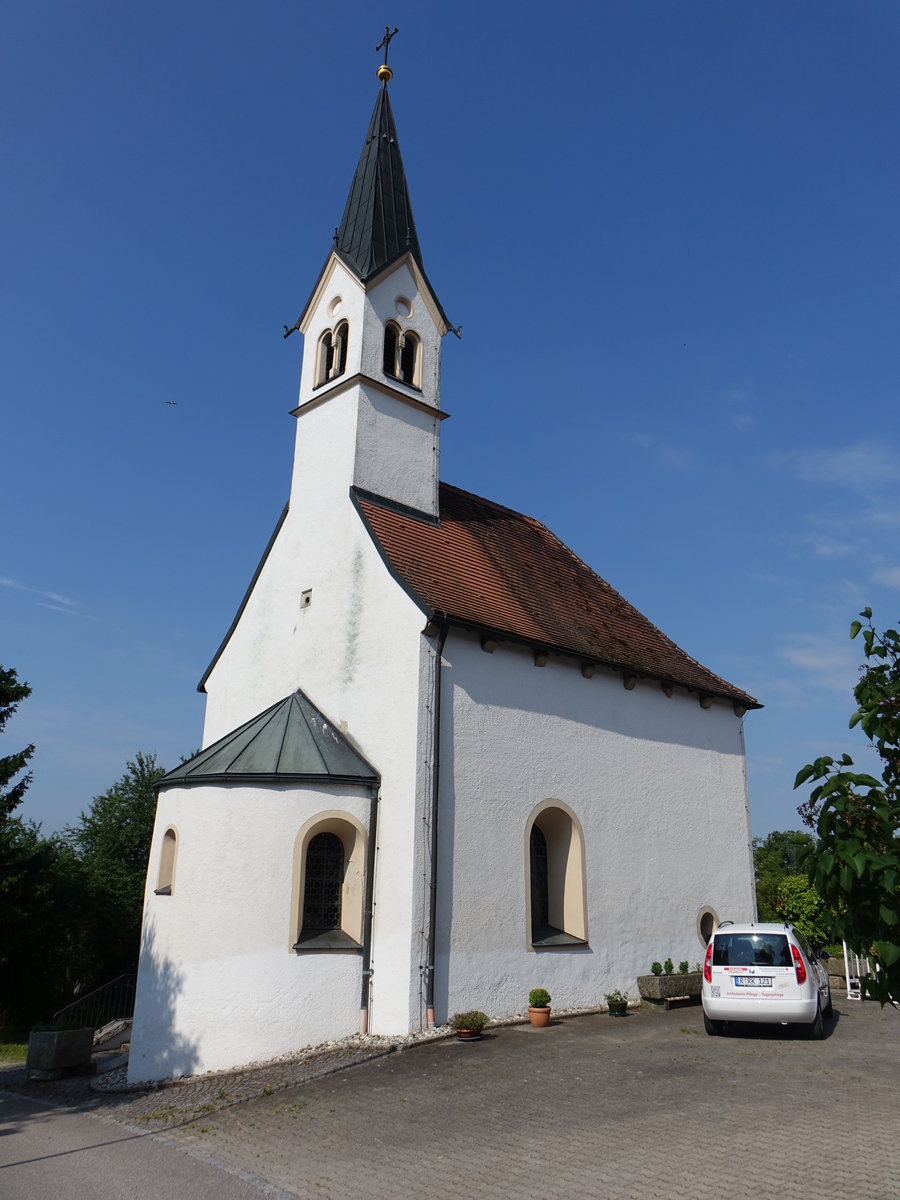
(443, 761)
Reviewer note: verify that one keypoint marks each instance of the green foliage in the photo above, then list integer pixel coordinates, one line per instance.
(12, 693)
(539, 998)
(669, 967)
(782, 853)
(683, 967)
(656, 968)
(111, 843)
(70, 905)
(800, 904)
(856, 867)
(616, 999)
(473, 1020)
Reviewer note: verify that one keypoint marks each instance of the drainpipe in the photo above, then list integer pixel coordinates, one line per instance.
(435, 799)
(367, 915)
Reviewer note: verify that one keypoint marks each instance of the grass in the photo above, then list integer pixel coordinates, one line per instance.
(13, 1052)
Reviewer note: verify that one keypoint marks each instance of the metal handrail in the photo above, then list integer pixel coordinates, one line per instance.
(111, 1002)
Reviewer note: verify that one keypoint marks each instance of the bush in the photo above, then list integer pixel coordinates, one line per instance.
(539, 998)
(474, 1020)
(669, 967)
(683, 967)
(656, 968)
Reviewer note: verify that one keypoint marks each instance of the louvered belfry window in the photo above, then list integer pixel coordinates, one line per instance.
(389, 362)
(323, 883)
(408, 359)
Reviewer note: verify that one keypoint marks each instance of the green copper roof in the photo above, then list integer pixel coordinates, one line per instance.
(378, 225)
(288, 743)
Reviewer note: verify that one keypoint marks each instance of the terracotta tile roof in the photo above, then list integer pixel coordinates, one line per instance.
(488, 567)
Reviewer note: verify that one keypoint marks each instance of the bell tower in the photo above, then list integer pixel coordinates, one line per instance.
(369, 403)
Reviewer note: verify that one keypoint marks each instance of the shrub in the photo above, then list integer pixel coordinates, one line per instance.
(683, 967)
(669, 966)
(539, 998)
(656, 968)
(617, 997)
(474, 1019)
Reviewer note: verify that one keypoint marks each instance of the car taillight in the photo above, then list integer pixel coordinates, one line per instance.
(707, 964)
(798, 963)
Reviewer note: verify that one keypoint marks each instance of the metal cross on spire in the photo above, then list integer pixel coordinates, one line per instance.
(384, 71)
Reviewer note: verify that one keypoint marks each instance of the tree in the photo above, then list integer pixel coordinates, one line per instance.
(12, 693)
(799, 903)
(856, 866)
(111, 842)
(783, 853)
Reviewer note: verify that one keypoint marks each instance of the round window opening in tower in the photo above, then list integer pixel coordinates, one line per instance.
(707, 920)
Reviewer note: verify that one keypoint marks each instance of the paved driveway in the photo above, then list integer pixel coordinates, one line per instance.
(648, 1106)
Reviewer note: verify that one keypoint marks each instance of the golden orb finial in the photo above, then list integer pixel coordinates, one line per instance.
(384, 71)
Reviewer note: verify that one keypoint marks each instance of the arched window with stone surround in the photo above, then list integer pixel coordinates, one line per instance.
(402, 357)
(329, 870)
(331, 354)
(555, 865)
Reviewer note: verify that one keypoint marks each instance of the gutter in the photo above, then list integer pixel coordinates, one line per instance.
(435, 801)
(367, 915)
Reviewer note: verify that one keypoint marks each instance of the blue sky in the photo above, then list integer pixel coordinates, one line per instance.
(669, 232)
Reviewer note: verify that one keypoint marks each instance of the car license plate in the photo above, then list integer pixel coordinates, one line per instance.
(753, 980)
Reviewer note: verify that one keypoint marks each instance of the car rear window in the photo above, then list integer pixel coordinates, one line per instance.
(751, 950)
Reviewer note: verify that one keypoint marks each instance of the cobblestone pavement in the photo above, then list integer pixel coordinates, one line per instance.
(592, 1107)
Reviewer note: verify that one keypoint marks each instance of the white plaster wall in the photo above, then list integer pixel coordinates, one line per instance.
(658, 786)
(408, 473)
(354, 651)
(381, 307)
(218, 984)
(341, 297)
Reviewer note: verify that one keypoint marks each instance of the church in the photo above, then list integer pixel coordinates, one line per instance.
(444, 762)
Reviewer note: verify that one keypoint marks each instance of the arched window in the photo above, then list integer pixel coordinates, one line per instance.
(402, 355)
(391, 343)
(166, 878)
(341, 334)
(322, 884)
(331, 357)
(540, 897)
(409, 359)
(329, 870)
(556, 879)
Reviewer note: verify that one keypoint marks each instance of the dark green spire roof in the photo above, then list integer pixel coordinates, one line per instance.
(290, 742)
(378, 225)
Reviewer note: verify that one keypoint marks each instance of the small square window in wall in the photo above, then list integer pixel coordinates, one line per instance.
(306, 598)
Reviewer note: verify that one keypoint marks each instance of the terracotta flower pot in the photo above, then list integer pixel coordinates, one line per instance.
(468, 1035)
(539, 1017)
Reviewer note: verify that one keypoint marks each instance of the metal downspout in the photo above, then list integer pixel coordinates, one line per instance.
(367, 915)
(435, 800)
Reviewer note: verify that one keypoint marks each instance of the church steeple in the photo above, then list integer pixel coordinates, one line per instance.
(369, 408)
(377, 226)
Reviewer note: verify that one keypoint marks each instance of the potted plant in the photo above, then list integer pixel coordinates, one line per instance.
(664, 983)
(617, 1002)
(468, 1025)
(539, 1007)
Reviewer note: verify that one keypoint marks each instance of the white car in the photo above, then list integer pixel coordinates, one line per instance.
(763, 973)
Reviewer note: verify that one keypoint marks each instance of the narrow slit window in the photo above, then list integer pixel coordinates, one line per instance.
(166, 878)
